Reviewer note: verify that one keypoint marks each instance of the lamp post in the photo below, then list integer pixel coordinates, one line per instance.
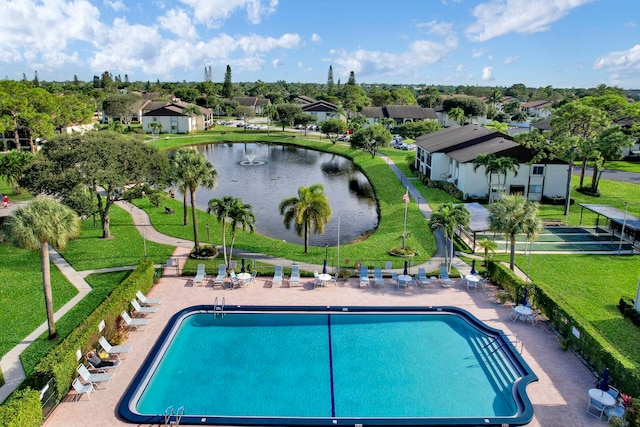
(567, 202)
(144, 239)
(326, 253)
(208, 238)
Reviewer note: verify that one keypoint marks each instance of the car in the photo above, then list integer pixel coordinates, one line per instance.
(407, 147)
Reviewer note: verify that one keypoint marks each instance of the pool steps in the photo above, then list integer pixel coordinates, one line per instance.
(218, 310)
(172, 418)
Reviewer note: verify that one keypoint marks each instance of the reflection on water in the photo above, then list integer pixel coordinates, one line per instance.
(276, 175)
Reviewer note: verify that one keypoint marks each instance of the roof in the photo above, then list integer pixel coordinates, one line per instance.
(305, 99)
(248, 101)
(614, 214)
(544, 124)
(372, 112)
(175, 109)
(479, 217)
(319, 106)
(153, 105)
(400, 112)
(537, 104)
(465, 143)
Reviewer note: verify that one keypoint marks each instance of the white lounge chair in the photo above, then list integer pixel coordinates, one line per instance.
(81, 389)
(133, 323)
(422, 279)
(277, 276)
(95, 364)
(221, 276)
(294, 279)
(444, 277)
(200, 275)
(115, 350)
(377, 277)
(364, 275)
(235, 281)
(142, 310)
(147, 301)
(93, 379)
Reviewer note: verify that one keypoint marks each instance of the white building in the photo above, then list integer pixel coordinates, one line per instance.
(448, 155)
(175, 119)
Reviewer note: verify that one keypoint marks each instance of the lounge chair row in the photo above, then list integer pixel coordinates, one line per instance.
(236, 280)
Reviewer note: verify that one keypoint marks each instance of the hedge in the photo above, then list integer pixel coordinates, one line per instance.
(60, 363)
(591, 345)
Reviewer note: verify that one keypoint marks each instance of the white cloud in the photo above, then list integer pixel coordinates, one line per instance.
(277, 63)
(436, 28)
(487, 74)
(510, 59)
(52, 27)
(116, 5)
(214, 12)
(477, 53)
(179, 23)
(630, 24)
(623, 65)
(316, 38)
(498, 17)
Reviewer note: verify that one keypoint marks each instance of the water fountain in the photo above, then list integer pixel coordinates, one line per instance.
(250, 159)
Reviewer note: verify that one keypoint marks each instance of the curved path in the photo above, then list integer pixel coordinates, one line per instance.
(12, 367)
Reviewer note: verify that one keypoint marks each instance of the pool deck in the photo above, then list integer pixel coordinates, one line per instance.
(559, 397)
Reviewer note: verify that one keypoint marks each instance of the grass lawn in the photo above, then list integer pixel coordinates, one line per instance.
(591, 286)
(624, 165)
(21, 297)
(8, 190)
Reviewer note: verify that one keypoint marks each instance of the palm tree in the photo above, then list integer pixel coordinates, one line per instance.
(191, 111)
(488, 246)
(310, 209)
(498, 127)
(504, 165)
(41, 223)
(271, 113)
(156, 128)
(457, 115)
(513, 215)
(447, 217)
(242, 217)
(220, 208)
(488, 161)
(177, 165)
(194, 170)
(495, 98)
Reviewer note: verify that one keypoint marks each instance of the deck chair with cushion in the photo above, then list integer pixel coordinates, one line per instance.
(377, 277)
(294, 279)
(96, 364)
(81, 389)
(364, 276)
(133, 323)
(277, 276)
(147, 301)
(444, 277)
(114, 350)
(95, 378)
(200, 275)
(142, 310)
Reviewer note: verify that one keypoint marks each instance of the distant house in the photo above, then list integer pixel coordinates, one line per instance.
(254, 102)
(322, 110)
(399, 113)
(448, 155)
(539, 109)
(174, 118)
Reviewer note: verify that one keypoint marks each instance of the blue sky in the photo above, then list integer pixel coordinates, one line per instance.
(562, 43)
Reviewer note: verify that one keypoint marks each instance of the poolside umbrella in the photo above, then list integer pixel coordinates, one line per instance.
(324, 267)
(525, 296)
(473, 267)
(405, 268)
(604, 382)
(242, 269)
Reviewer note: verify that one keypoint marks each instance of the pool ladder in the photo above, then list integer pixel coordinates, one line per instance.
(218, 310)
(172, 418)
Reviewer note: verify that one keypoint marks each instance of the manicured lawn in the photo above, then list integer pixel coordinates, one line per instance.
(8, 190)
(21, 296)
(591, 286)
(126, 247)
(624, 165)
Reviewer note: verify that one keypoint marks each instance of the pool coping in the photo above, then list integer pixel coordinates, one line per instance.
(523, 416)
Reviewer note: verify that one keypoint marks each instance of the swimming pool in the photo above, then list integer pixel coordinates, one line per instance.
(258, 365)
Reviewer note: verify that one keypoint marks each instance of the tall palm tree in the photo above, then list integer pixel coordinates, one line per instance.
(513, 215)
(43, 222)
(194, 170)
(242, 217)
(310, 209)
(488, 246)
(192, 111)
(504, 165)
(488, 161)
(177, 165)
(447, 217)
(220, 208)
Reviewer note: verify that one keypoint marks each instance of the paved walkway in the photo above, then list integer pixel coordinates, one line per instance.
(10, 363)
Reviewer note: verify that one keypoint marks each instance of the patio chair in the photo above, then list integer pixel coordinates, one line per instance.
(133, 323)
(316, 281)
(614, 411)
(277, 276)
(93, 379)
(364, 275)
(147, 301)
(142, 310)
(221, 276)
(81, 389)
(377, 277)
(235, 281)
(96, 364)
(422, 279)
(515, 315)
(254, 274)
(294, 279)
(200, 275)
(394, 278)
(114, 350)
(444, 277)
(533, 317)
(402, 283)
(595, 408)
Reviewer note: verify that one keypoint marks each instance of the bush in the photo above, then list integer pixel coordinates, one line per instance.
(555, 201)
(23, 410)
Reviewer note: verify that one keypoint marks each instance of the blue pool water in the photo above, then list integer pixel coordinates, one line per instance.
(383, 366)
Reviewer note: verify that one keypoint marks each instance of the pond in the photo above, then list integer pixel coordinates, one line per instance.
(263, 175)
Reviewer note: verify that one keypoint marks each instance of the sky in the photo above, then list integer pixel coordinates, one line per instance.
(497, 43)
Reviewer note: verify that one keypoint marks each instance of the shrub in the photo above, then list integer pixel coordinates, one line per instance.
(23, 410)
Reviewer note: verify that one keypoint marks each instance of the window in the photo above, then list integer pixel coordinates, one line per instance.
(535, 189)
(538, 170)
